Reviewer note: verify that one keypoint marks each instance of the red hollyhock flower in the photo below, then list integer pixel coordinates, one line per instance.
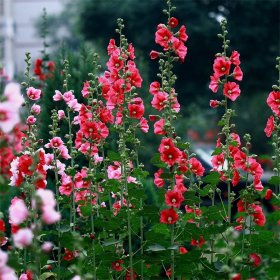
(221, 66)
(237, 73)
(136, 108)
(231, 90)
(234, 58)
(214, 103)
(258, 215)
(173, 22)
(214, 84)
(154, 88)
(179, 48)
(269, 126)
(2, 226)
(198, 243)
(182, 33)
(171, 156)
(165, 144)
(268, 194)
(117, 266)
(236, 277)
(154, 54)
(160, 100)
(174, 198)
(196, 167)
(69, 255)
(168, 272)
(128, 275)
(111, 47)
(144, 125)
(25, 163)
(159, 182)
(256, 259)
(273, 101)
(115, 62)
(163, 37)
(183, 250)
(158, 127)
(168, 216)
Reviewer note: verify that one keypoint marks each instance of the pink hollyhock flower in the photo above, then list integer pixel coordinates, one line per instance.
(218, 161)
(68, 96)
(9, 116)
(159, 182)
(174, 198)
(23, 277)
(18, 211)
(154, 88)
(231, 90)
(256, 259)
(182, 33)
(214, 103)
(234, 58)
(35, 109)
(23, 238)
(221, 66)
(114, 172)
(76, 277)
(111, 47)
(236, 138)
(163, 37)
(258, 215)
(85, 90)
(179, 48)
(61, 114)
(154, 54)
(33, 93)
(31, 120)
(115, 62)
(269, 126)
(64, 152)
(47, 246)
(158, 127)
(214, 84)
(67, 185)
(196, 167)
(160, 100)
(3, 259)
(130, 50)
(74, 105)
(47, 197)
(144, 125)
(237, 73)
(168, 216)
(50, 215)
(173, 22)
(236, 277)
(273, 101)
(58, 96)
(55, 142)
(12, 92)
(136, 108)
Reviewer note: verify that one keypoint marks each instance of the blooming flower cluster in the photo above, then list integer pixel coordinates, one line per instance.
(44, 70)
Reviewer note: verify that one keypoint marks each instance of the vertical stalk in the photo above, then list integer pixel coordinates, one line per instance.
(172, 253)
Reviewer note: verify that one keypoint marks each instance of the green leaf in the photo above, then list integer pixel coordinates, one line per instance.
(86, 210)
(155, 248)
(273, 269)
(213, 178)
(217, 151)
(47, 275)
(113, 156)
(274, 180)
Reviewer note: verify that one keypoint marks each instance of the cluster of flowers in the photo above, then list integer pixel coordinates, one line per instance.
(19, 214)
(241, 161)
(222, 65)
(43, 70)
(273, 101)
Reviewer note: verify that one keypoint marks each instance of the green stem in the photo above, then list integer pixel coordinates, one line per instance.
(172, 253)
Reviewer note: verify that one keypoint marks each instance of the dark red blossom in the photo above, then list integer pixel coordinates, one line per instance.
(168, 216)
(117, 265)
(174, 198)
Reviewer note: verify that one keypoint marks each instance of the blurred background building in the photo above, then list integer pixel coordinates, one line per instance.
(18, 33)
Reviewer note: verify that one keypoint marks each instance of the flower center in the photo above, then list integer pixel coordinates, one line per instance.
(223, 69)
(173, 200)
(3, 116)
(170, 156)
(229, 92)
(165, 38)
(169, 219)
